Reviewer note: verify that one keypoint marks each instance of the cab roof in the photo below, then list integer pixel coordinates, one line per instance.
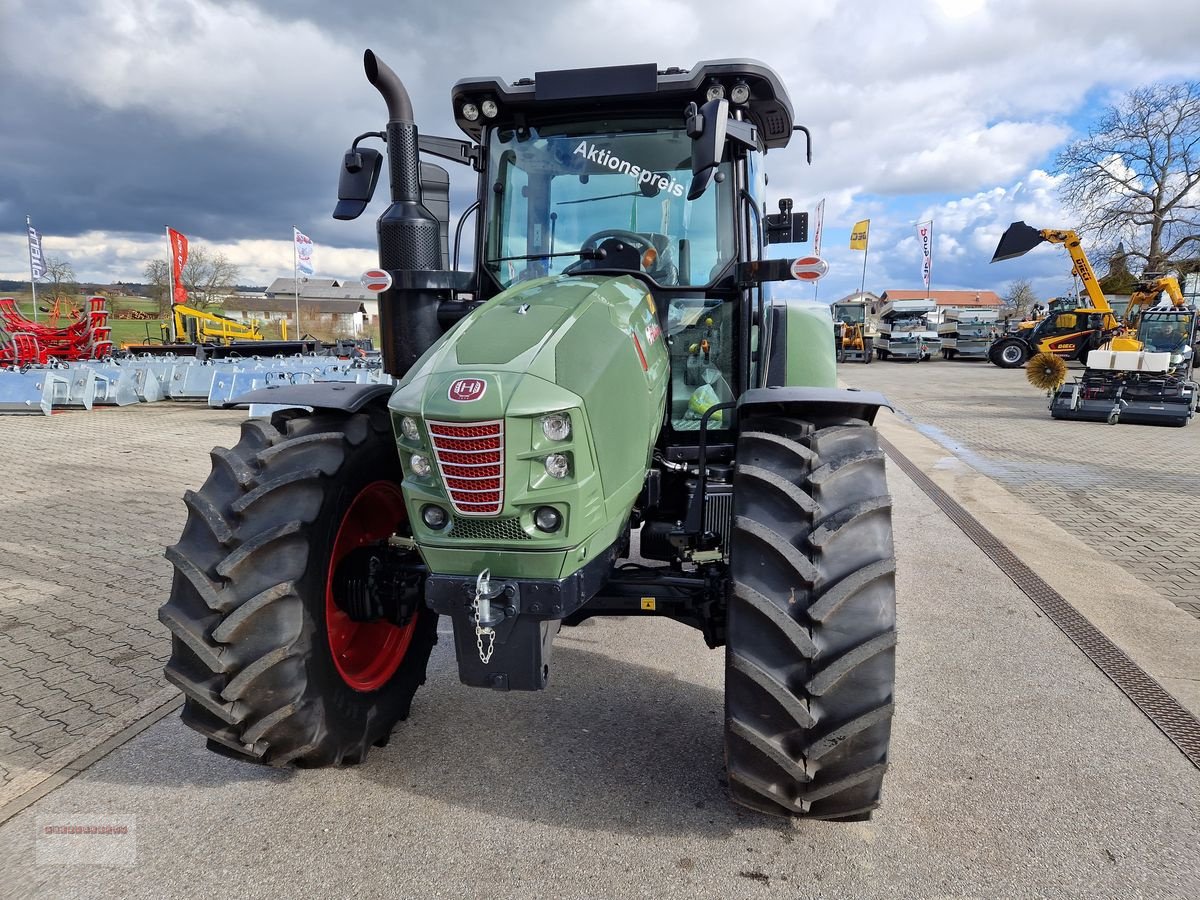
(635, 88)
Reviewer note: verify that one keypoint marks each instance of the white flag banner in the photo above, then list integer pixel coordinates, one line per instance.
(37, 262)
(304, 253)
(817, 230)
(925, 230)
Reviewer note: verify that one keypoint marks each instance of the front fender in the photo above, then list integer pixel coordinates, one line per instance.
(796, 400)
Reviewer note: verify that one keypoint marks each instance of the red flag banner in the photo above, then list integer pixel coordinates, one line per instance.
(179, 255)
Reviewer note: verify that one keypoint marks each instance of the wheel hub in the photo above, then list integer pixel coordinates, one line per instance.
(368, 649)
(378, 582)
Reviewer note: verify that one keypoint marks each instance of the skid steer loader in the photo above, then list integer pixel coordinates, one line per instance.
(615, 364)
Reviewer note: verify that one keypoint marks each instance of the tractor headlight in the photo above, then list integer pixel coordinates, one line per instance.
(420, 465)
(547, 519)
(557, 465)
(716, 91)
(739, 93)
(470, 112)
(433, 516)
(408, 427)
(489, 108)
(557, 426)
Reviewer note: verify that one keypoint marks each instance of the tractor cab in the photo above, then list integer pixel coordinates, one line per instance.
(1169, 331)
(654, 174)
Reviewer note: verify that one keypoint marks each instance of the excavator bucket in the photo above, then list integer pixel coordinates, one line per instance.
(1018, 240)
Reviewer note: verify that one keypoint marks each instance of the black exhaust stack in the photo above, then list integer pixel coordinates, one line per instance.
(409, 235)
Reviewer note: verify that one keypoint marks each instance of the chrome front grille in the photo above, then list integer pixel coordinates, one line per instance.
(470, 459)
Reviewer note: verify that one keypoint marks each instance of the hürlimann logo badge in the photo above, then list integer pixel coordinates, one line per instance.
(466, 390)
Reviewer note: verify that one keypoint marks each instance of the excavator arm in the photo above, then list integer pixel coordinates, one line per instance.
(1020, 238)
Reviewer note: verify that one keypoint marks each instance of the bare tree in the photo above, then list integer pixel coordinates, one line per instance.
(1134, 177)
(59, 280)
(208, 277)
(1018, 298)
(156, 276)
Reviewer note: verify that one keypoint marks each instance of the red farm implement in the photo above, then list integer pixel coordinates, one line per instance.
(29, 342)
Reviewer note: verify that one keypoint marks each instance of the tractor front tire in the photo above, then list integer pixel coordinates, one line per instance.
(810, 656)
(271, 669)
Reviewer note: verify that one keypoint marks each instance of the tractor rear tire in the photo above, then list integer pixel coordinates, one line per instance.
(810, 654)
(1008, 353)
(252, 606)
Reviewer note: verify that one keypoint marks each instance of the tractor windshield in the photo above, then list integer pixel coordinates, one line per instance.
(565, 187)
(1165, 332)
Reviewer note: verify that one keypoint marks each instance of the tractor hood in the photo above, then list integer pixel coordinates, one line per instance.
(472, 426)
(529, 334)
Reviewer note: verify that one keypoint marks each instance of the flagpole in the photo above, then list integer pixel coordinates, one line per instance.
(170, 286)
(32, 280)
(866, 249)
(296, 281)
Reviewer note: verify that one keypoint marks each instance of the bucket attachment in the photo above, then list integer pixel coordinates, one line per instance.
(31, 391)
(1018, 240)
(116, 385)
(146, 383)
(191, 382)
(81, 390)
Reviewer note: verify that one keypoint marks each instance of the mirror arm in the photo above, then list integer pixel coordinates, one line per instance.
(368, 134)
(743, 132)
(453, 149)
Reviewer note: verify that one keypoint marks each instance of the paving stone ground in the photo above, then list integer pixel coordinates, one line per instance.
(90, 500)
(1130, 491)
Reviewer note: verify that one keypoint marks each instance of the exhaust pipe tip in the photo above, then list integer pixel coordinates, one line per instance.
(388, 83)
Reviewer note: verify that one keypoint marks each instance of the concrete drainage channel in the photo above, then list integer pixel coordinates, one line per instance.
(1163, 710)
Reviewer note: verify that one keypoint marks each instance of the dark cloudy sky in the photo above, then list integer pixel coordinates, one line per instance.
(226, 120)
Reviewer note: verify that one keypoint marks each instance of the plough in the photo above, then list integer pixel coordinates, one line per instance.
(88, 337)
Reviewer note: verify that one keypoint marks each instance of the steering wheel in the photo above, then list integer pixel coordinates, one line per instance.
(660, 270)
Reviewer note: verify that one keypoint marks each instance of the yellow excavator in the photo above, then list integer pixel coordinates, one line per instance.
(1141, 370)
(1066, 332)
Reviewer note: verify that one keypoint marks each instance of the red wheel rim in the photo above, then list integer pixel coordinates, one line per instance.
(366, 654)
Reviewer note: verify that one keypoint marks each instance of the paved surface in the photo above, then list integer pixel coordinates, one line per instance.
(1018, 771)
(1130, 491)
(92, 500)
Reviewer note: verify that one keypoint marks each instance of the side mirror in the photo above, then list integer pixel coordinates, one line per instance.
(356, 181)
(706, 126)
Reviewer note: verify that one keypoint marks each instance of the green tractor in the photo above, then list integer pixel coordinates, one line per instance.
(609, 414)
